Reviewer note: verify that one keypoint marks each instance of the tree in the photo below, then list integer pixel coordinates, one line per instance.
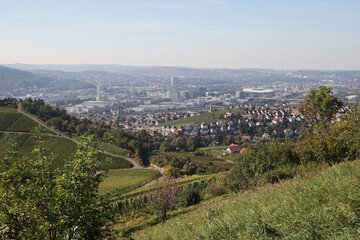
(37, 202)
(164, 197)
(172, 172)
(319, 107)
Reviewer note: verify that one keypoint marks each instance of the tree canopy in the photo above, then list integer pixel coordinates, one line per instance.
(37, 202)
(320, 106)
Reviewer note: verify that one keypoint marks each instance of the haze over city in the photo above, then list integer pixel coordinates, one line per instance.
(275, 34)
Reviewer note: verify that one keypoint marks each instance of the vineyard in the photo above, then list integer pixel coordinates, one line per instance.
(137, 200)
(126, 180)
(15, 122)
(112, 148)
(136, 204)
(63, 149)
(113, 162)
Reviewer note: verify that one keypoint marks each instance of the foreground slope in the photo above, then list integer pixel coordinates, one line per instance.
(323, 206)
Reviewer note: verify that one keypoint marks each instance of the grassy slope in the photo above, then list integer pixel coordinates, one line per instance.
(324, 206)
(126, 180)
(203, 118)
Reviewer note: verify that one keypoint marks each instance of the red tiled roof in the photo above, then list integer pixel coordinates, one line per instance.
(234, 147)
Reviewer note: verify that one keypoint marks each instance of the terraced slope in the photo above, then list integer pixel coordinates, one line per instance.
(11, 120)
(16, 127)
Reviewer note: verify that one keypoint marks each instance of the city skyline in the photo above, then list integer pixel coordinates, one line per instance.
(200, 34)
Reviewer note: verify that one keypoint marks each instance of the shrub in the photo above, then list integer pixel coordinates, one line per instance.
(189, 197)
(252, 164)
(216, 189)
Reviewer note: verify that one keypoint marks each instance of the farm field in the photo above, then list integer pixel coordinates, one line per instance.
(13, 121)
(126, 180)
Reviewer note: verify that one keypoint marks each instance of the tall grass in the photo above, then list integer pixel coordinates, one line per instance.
(324, 206)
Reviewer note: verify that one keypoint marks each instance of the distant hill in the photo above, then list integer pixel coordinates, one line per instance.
(11, 79)
(132, 70)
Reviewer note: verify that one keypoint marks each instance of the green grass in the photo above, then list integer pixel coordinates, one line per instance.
(214, 151)
(203, 118)
(126, 180)
(212, 148)
(324, 206)
(206, 117)
(112, 148)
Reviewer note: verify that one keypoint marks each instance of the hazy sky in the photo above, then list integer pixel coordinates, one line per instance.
(280, 34)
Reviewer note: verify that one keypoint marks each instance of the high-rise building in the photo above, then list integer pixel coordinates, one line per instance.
(174, 81)
(240, 94)
(173, 95)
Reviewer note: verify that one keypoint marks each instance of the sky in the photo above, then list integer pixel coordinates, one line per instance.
(276, 34)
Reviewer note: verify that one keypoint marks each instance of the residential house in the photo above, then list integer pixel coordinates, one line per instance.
(233, 149)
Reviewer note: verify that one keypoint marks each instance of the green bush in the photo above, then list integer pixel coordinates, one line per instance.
(216, 189)
(253, 163)
(189, 197)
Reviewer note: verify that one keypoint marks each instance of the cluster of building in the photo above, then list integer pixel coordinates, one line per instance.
(147, 121)
(283, 121)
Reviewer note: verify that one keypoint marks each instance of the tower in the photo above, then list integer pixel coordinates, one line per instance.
(174, 81)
